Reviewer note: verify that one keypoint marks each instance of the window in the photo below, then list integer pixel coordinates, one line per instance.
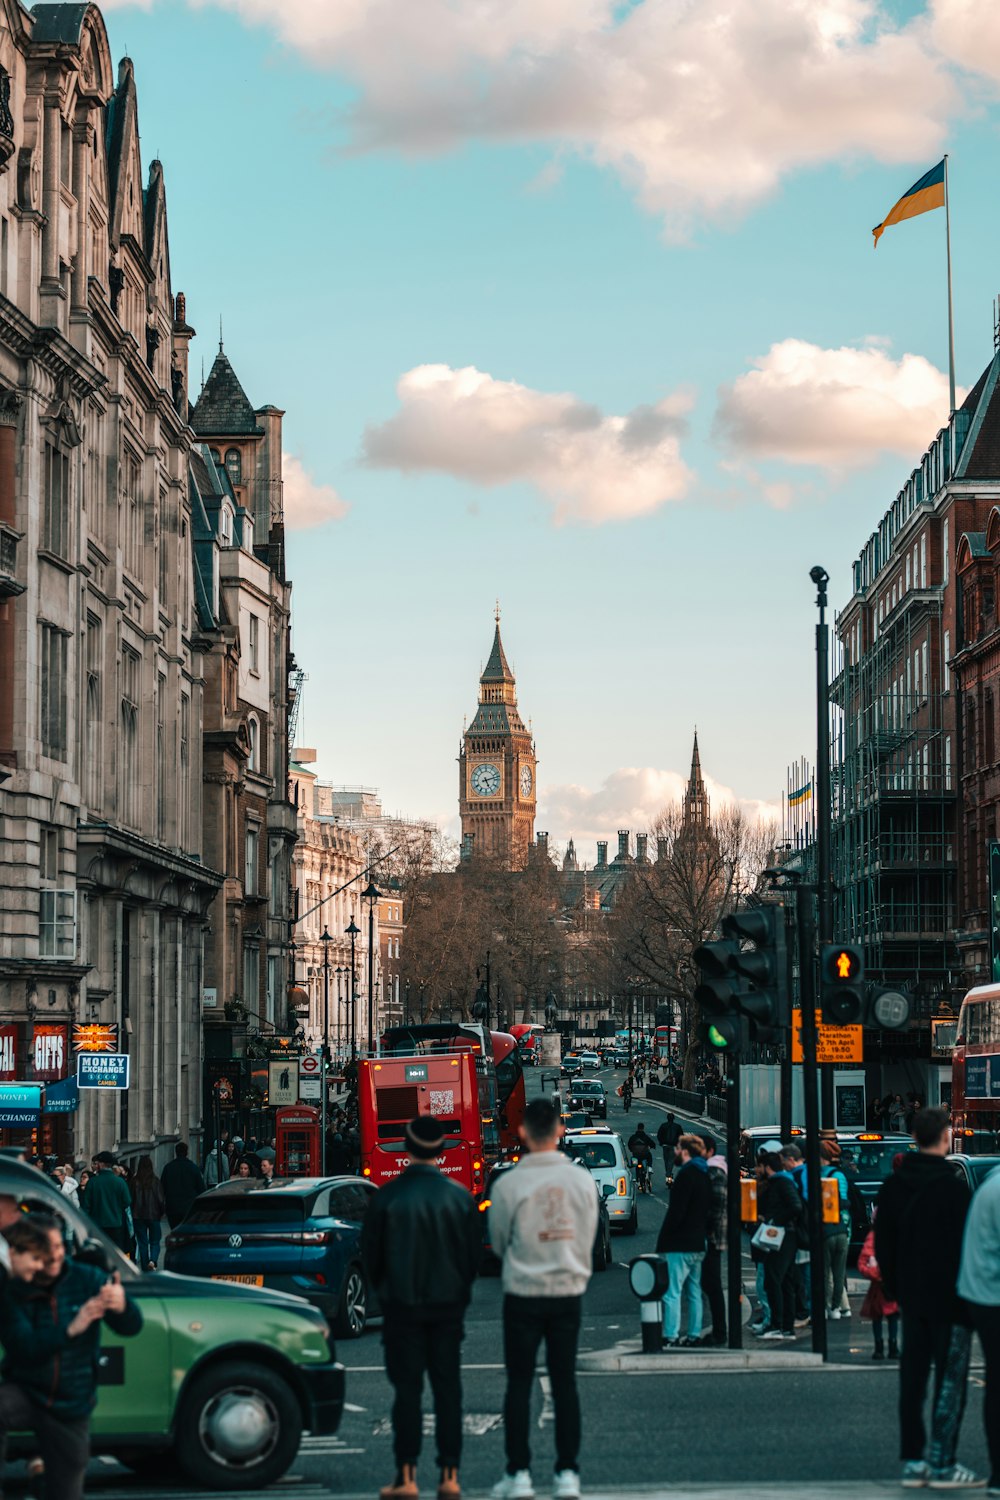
(923, 561)
(907, 571)
(234, 465)
(128, 779)
(226, 526)
(164, 553)
(57, 924)
(250, 868)
(161, 758)
(273, 987)
(946, 670)
(49, 856)
(55, 528)
(132, 517)
(253, 730)
(94, 710)
(184, 789)
(947, 764)
(254, 637)
(944, 550)
(923, 670)
(274, 893)
(52, 691)
(989, 741)
(251, 977)
(216, 456)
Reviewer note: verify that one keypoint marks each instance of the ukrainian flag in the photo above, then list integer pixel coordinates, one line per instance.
(796, 799)
(924, 195)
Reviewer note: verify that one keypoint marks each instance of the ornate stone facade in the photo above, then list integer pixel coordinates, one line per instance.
(104, 891)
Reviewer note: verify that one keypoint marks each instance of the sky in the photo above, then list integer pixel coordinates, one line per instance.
(573, 304)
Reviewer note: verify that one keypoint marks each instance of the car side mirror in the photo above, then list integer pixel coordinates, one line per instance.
(93, 1253)
(608, 1189)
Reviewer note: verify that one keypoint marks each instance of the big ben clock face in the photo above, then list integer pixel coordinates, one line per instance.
(486, 780)
(527, 781)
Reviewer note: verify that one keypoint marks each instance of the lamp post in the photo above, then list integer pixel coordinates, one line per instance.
(353, 932)
(340, 971)
(370, 894)
(326, 940)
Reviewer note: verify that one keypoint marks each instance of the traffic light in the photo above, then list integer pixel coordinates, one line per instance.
(718, 996)
(724, 1034)
(765, 966)
(842, 970)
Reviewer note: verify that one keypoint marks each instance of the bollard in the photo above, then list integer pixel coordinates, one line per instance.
(648, 1278)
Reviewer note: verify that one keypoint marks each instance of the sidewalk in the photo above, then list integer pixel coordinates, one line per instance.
(626, 1357)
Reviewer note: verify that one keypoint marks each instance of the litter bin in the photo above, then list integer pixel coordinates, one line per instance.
(648, 1278)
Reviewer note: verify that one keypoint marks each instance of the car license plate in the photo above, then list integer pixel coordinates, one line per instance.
(244, 1280)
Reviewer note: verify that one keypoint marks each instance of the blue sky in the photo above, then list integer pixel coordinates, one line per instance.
(363, 191)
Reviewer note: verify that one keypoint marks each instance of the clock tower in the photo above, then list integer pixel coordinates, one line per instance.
(496, 776)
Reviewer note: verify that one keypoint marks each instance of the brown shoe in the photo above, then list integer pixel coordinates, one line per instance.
(449, 1487)
(405, 1487)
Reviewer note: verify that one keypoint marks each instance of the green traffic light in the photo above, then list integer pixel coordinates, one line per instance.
(717, 1038)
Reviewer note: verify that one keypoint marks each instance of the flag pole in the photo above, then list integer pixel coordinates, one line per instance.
(951, 310)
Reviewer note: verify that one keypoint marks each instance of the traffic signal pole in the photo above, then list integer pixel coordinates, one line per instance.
(824, 912)
(734, 1206)
(814, 1207)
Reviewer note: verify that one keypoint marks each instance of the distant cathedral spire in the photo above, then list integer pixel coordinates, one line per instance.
(696, 797)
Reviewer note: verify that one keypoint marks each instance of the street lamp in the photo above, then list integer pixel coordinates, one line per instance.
(370, 894)
(353, 932)
(340, 971)
(326, 940)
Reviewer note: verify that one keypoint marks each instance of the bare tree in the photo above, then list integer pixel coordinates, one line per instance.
(671, 906)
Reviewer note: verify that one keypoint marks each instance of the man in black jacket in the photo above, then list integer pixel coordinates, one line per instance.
(421, 1244)
(50, 1332)
(918, 1245)
(667, 1136)
(682, 1239)
(181, 1182)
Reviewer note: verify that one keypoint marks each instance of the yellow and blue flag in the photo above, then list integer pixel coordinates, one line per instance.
(803, 794)
(924, 195)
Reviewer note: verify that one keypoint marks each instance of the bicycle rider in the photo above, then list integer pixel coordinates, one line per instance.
(642, 1146)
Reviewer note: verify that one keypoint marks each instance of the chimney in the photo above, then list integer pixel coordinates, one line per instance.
(641, 841)
(662, 848)
(623, 843)
(602, 853)
(542, 840)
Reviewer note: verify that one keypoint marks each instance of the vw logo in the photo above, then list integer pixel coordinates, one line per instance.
(235, 1241)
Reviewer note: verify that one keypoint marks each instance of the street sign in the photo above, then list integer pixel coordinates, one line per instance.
(834, 1044)
(282, 1081)
(102, 1070)
(310, 1078)
(94, 1037)
(20, 1104)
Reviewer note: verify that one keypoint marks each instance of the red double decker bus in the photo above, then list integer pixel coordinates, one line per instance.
(456, 1089)
(975, 1072)
(497, 1047)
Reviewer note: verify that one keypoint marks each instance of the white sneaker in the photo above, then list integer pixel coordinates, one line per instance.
(566, 1485)
(515, 1487)
(834, 1314)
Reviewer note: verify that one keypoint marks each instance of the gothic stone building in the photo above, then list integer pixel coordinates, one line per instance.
(497, 769)
(103, 888)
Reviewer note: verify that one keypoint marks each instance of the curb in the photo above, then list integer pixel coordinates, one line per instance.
(628, 1358)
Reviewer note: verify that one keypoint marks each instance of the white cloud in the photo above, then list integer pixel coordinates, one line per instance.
(836, 408)
(307, 503)
(968, 32)
(591, 467)
(701, 106)
(632, 798)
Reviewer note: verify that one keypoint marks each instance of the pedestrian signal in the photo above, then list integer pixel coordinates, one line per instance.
(842, 968)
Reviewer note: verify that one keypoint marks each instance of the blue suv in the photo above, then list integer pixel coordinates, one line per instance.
(293, 1234)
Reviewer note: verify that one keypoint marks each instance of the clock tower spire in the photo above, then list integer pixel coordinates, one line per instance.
(496, 781)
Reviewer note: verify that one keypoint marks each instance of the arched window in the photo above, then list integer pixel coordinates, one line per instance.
(216, 455)
(234, 465)
(253, 729)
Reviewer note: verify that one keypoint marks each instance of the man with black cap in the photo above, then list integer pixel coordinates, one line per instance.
(109, 1202)
(421, 1244)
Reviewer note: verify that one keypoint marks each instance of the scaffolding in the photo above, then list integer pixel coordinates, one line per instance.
(894, 841)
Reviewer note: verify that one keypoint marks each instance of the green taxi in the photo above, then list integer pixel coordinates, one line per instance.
(223, 1379)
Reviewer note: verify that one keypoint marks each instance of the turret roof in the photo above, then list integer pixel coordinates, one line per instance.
(223, 409)
(497, 668)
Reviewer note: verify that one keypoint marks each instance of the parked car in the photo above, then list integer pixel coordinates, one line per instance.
(295, 1234)
(974, 1169)
(600, 1148)
(570, 1066)
(222, 1379)
(489, 1264)
(589, 1094)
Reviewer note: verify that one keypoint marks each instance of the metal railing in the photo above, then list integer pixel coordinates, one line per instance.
(689, 1102)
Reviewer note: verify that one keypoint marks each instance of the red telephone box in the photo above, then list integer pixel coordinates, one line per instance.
(298, 1141)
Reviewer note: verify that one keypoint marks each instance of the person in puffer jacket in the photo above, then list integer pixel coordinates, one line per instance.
(50, 1330)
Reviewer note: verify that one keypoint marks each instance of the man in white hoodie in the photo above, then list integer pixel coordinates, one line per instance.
(543, 1219)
